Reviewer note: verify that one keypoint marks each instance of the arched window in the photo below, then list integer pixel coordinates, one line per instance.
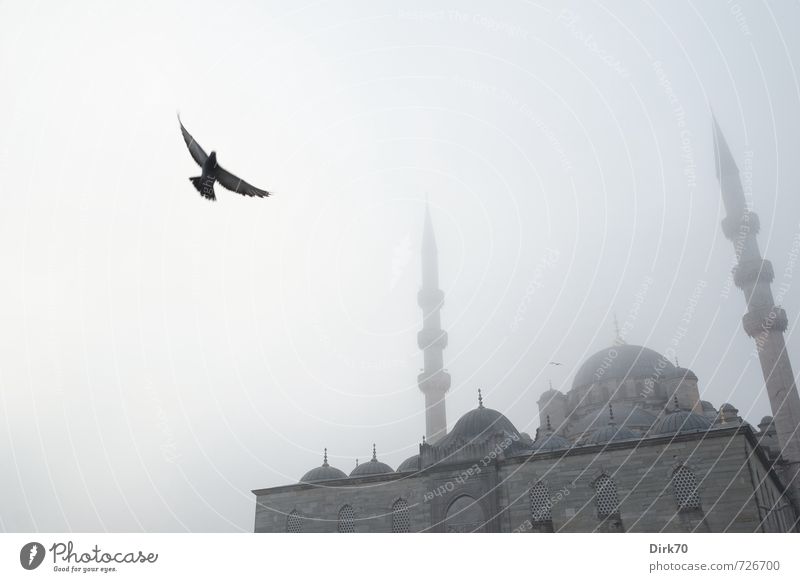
(294, 523)
(605, 496)
(401, 517)
(684, 485)
(540, 503)
(347, 519)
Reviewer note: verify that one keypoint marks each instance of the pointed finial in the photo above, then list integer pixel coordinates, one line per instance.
(551, 384)
(677, 364)
(356, 462)
(325, 458)
(610, 413)
(480, 399)
(675, 400)
(549, 428)
(423, 439)
(618, 335)
(374, 453)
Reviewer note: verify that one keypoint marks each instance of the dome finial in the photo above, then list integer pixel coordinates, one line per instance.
(675, 400)
(325, 458)
(617, 334)
(480, 399)
(374, 453)
(356, 462)
(549, 428)
(423, 439)
(610, 413)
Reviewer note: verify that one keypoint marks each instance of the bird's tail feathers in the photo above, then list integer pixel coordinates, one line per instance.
(207, 193)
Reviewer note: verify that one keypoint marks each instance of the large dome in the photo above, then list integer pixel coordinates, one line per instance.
(323, 473)
(621, 362)
(478, 425)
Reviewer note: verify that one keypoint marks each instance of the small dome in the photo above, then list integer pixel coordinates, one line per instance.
(622, 362)
(550, 442)
(410, 464)
(372, 467)
(611, 433)
(323, 473)
(765, 420)
(728, 407)
(681, 421)
(547, 440)
(478, 425)
(707, 406)
(631, 416)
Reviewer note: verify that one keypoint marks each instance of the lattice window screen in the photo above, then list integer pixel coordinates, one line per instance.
(347, 520)
(540, 503)
(605, 496)
(684, 484)
(294, 524)
(401, 517)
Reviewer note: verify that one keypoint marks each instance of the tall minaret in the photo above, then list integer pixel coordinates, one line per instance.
(764, 321)
(433, 381)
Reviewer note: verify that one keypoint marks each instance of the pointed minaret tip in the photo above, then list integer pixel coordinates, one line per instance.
(724, 162)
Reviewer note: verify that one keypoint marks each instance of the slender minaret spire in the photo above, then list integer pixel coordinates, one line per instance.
(764, 321)
(434, 382)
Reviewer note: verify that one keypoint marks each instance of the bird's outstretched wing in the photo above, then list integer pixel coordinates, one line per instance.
(199, 155)
(236, 184)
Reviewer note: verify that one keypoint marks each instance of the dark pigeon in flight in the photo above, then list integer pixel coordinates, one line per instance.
(213, 172)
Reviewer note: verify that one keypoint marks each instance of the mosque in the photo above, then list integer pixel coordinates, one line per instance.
(630, 447)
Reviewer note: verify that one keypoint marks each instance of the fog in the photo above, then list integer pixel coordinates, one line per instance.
(163, 355)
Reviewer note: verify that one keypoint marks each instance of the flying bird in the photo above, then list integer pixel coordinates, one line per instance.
(213, 172)
(555, 363)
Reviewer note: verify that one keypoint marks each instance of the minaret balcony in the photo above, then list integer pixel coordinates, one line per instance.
(757, 322)
(739, 227)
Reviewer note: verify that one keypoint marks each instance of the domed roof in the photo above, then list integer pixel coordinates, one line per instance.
(621, 362)
(707, 406)
(549, 441)
(323, 473)
(628, 415)
(681, 421)
(766, 420)
(372, 467)
(478, 425)
(610, 432)
(410, 464)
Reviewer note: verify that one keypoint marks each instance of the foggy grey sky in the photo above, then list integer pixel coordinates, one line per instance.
(162, 355)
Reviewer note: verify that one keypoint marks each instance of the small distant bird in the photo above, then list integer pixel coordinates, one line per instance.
(554, 363)
(213, 172)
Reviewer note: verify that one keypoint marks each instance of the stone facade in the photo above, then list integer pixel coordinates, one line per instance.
(737, 490)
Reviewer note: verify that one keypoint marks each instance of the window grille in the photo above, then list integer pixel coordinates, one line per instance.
(684, 484)
(347, 520)
(401, 517)
(294, 524)
(605, 496)
(540, 503)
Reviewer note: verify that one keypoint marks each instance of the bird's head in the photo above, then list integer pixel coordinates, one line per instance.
(213, 157)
